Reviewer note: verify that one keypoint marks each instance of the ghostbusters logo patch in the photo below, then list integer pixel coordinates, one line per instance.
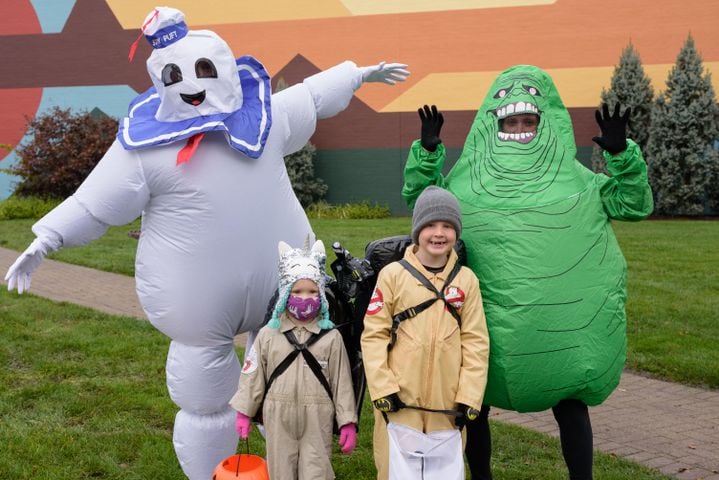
(250, 364)
(376, 302)
(454, 296)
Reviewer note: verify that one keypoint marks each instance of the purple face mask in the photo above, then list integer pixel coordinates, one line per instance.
(303, 309)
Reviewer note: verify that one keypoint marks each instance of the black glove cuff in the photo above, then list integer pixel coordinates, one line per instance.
(430, 146)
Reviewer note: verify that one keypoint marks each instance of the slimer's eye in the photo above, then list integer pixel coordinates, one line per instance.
(204, 68)
(171, 74)
(532, 90)
(502, 93)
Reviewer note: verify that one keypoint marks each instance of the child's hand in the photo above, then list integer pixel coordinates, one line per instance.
(243, 425)
(469, 414)
(348, 438)
(390, 403)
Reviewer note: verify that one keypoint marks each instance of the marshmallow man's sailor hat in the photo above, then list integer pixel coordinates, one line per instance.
(198, 87)
(164, 26)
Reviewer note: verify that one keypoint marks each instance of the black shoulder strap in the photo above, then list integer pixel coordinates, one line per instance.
(425, 281)
(310, 359)
(285, 364)
(417, 309)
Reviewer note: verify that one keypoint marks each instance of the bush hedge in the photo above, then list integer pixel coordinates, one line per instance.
(64, 147)
(347, 211)
(15, 208)
(35, 207)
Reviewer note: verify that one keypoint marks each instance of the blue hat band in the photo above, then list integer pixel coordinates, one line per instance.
(168, 35)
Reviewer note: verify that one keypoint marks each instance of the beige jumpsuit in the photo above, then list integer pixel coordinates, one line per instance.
(435, 363)
(298, 414)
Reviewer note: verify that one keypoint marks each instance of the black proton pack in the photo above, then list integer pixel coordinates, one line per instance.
(348, 295)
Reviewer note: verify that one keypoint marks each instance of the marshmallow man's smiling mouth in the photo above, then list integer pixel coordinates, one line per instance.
(193, 99)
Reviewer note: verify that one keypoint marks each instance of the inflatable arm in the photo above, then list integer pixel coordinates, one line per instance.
(324, 95)
(113, 194)
(297, 109)
(333, 88)
(423, 168)
(627, 194)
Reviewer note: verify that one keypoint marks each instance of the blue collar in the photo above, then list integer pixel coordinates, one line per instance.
(246, 129)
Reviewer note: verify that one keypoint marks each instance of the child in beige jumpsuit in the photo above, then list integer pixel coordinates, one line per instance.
(297, 411)
(436, 362)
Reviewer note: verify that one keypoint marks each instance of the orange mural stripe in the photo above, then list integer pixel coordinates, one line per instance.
(563, 35)
(578, 87)
(551, 36)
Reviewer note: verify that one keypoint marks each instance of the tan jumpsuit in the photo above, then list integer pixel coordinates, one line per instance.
(298, 414)
(435, 363)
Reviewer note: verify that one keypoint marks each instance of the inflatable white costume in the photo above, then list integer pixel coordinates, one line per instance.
(206, 260)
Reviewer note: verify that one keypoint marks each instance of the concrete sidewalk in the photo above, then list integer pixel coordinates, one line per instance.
(666, 426)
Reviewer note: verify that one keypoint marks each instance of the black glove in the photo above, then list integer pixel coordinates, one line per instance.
(432, 122)
(614, 129)
(469, 414)
(390, 403)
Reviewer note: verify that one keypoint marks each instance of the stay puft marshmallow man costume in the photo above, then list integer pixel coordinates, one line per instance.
(205, 264)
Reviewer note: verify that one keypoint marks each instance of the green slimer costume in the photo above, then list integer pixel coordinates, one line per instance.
(536, 225)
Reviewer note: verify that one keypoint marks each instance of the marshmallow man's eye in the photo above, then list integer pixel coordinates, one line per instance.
(171, 74)
(204, 68)
(532, 90)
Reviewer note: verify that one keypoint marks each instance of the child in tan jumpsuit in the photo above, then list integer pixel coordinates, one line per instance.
(297, 411)
(435, 362)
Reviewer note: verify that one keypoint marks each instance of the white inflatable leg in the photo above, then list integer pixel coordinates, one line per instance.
(203, 441)
(201, 381)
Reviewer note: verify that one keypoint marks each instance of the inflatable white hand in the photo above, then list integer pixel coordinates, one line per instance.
(20, 273)
(389, 73)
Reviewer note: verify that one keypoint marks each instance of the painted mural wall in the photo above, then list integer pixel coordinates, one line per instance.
(73, 53)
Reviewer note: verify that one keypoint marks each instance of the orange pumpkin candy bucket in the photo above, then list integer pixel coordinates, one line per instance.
(242, 466)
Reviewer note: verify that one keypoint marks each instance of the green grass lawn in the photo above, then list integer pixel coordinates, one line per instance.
(673, 299)
(673, 305)
(82, 395)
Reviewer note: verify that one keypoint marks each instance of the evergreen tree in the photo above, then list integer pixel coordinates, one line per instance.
(631, 87)
(301, 169)
(683, 159)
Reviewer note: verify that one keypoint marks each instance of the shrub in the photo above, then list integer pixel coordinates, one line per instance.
(63, 148)
(26, 207)
(347, 211)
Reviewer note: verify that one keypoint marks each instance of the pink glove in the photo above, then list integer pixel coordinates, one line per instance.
(348, 438)
(243, 425)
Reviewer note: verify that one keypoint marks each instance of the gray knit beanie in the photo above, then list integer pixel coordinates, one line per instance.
(435, 204)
